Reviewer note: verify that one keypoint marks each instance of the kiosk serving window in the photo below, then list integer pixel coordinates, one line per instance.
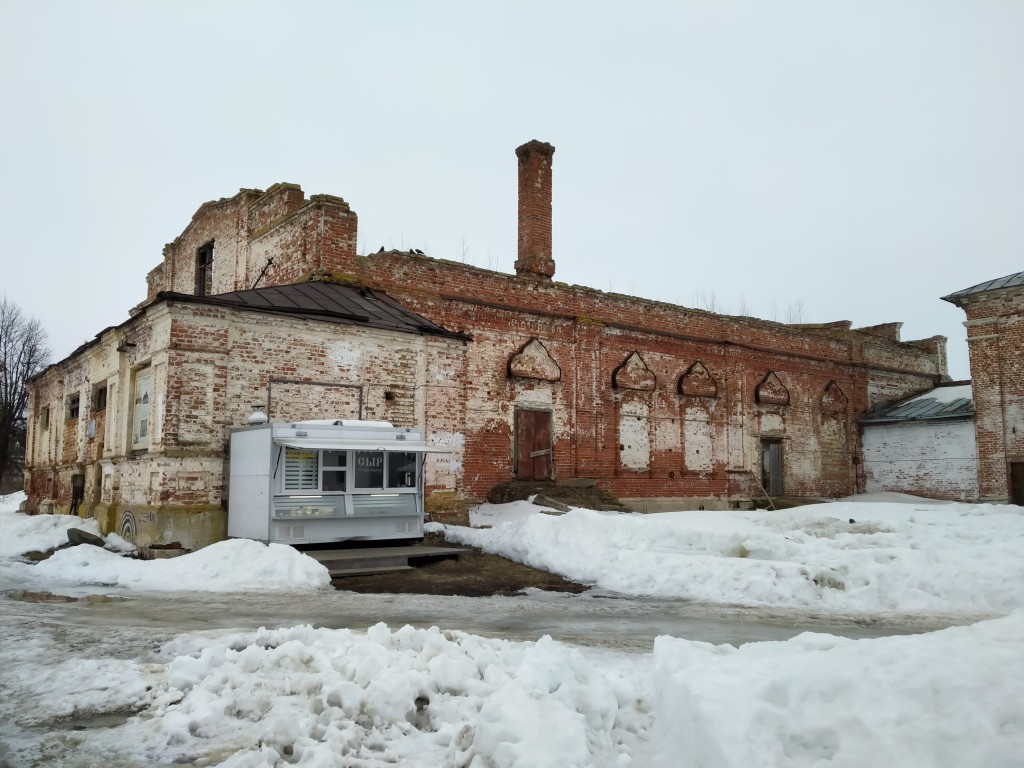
(333, 472)
(300, 470)
(380, 470)
(327, 471)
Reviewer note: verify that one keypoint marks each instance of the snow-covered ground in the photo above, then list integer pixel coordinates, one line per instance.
(845, 557)
(227, 566)
(317, 696)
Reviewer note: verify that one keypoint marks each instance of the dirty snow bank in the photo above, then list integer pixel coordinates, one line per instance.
(917, 557)
(325, 697)
(11, 501)
(21, 533)
(424, 697)
(949, 698)
(227, 566)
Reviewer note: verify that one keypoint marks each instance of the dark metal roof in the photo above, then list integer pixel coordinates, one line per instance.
(950, 402)
(327, 302)
(1010, 281)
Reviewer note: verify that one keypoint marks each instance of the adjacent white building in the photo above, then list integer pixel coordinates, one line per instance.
(924, 445)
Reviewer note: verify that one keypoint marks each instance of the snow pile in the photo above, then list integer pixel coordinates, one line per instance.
(485, 515)
(324, 697)
(11, 501)
(38, 533)
(423, 697)
(920, 557)
(950, 698)
(238, 564)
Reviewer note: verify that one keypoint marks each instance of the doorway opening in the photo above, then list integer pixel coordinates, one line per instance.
(1017, 483)
(771, 467)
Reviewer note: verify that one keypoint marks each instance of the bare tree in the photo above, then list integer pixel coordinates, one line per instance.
(744, 309)
(795, 312)
(706, 300)
(23, 354)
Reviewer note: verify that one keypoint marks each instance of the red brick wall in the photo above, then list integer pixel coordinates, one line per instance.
(590, 334)
(995, 337)
(471, 398)
(300, 236)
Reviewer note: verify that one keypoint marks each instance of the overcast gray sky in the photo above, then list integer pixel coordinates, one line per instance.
(856, 159)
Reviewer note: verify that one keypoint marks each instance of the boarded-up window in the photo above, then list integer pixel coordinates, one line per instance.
(634, 435)
(697, 440)
(195, 403)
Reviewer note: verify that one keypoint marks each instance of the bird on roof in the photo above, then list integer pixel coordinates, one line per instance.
(417, 250)
(381, 249)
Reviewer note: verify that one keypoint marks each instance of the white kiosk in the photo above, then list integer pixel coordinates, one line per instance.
(315, 482)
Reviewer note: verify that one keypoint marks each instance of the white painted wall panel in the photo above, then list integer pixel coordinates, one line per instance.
(938, 459)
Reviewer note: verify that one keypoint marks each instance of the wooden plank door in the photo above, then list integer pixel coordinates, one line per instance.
(1017, 483)
(771, 467)
(533, 445)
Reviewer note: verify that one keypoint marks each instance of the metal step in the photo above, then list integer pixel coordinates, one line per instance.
(363, 560)
(338, 572)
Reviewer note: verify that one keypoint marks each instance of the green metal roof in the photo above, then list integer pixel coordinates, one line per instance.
(952, 401)
(1010, 281)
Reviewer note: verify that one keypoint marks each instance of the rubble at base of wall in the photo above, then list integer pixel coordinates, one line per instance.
(162, 552)
(687, 504)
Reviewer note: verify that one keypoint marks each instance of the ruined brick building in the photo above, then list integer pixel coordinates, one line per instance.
(995, 339)
(262, 300)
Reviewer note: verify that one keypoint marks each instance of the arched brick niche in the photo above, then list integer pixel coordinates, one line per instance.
(771, 391)
(697, 381)
(633, 373)
(833, 400)
(533, 361)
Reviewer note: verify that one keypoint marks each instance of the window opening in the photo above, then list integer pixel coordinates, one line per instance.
(141, 407)
(204, 270)
(328, 471)
(44, 417)
(74, 405)
(99, 399)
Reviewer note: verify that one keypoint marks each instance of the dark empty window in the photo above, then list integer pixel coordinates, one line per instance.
(204, 270)
(73, 405)
(44, 418)
(99, 399)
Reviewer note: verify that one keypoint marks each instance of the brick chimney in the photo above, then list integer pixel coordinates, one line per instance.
(535, 211)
